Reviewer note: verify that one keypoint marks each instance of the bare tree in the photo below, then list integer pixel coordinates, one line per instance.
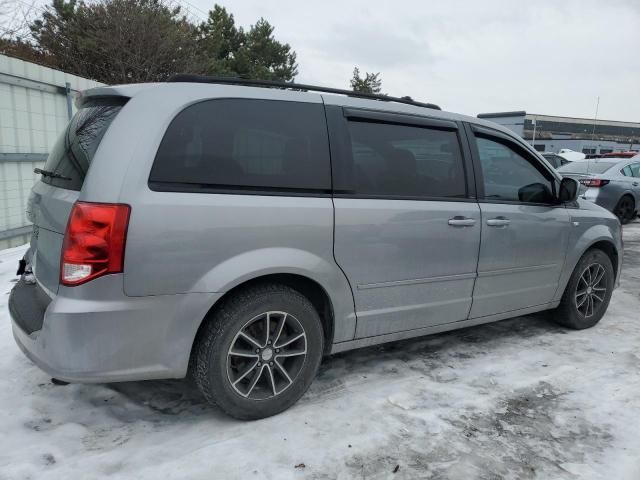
(15, 16)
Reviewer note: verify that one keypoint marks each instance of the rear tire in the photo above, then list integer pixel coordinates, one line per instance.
(588, 293)
(260, 351)
(625, 209)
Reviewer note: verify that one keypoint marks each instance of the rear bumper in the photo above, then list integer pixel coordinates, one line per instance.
(95, 333)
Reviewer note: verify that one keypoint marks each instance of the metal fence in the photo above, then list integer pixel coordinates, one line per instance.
(35, 105)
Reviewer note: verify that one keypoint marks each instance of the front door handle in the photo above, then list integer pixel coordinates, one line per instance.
(498, 222)
(635, 184)
(459, 221)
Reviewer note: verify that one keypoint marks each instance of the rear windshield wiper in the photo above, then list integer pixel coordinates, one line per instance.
(49, 173)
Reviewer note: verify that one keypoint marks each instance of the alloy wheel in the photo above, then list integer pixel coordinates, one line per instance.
(591, 290)
(266, 355)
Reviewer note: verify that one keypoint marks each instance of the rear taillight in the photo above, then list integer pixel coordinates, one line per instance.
(593, 182)
(94, 242)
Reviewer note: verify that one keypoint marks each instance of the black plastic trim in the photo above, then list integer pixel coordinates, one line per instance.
(181, 187)
(344, 194)
(27, 306)
(516, 113)
(398, 118)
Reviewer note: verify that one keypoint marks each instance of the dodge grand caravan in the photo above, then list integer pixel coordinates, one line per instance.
(238, 231)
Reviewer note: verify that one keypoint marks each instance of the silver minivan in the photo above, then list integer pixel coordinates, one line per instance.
(237, 231)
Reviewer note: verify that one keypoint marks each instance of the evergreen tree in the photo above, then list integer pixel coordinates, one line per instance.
(371, 83)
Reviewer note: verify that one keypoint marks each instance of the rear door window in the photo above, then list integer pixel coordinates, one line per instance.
(245, 145)
(74, 151)
(394, 160)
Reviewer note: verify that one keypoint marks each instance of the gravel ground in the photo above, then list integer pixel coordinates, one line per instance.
(518, 399)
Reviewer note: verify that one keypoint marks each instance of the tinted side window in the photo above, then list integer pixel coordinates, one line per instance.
(626, 171)
(74, 150)
(245, 144)
(635, 169)
(509, 176)
(405, 161)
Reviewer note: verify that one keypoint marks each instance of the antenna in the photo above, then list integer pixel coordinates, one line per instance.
(593, 132)
(595, 120)
(535, 125)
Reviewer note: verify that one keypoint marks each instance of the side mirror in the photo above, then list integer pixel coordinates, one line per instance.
(568, 190)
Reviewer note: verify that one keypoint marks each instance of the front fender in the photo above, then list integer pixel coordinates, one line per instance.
(583, 236)
(254, 264)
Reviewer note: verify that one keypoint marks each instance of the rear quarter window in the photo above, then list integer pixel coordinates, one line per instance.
(74, 150)
(246, 145)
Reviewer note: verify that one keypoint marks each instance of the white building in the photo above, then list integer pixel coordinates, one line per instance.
(548, 133)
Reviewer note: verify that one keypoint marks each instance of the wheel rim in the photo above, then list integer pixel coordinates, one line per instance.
(591, 290)
(266, 355)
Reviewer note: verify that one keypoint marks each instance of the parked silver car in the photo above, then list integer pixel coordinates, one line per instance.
(238, 234)
(612, 183)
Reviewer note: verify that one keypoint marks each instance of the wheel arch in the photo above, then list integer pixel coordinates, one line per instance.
(609, 249)
(598, 236)
(306, 286)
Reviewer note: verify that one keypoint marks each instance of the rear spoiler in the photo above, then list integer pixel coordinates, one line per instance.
(124, 92)
(99, 93)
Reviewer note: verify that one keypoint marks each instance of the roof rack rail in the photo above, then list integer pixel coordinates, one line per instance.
(184, 77)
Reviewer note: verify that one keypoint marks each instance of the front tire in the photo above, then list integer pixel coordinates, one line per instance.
(588, 293)
(259, 352)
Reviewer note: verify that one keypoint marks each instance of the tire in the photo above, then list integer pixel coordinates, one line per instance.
(625, 209)
(573, 311)
(234, 340)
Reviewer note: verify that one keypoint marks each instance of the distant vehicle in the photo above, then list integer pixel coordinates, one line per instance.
(571, 155)
(630, 154)
(555, 160)
(239, 234)
(612, 183)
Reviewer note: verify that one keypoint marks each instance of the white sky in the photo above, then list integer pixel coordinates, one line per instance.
(543, 56)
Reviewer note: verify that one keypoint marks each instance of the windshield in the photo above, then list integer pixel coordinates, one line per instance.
(586, 167)
(73, 152)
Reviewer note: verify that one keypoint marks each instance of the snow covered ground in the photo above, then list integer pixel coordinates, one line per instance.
(522, 398)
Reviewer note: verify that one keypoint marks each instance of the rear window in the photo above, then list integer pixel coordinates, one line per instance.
(586, 167)
(73, 152)
(246, 145)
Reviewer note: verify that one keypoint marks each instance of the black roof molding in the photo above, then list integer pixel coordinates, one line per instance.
(517, 113)
(188, 78)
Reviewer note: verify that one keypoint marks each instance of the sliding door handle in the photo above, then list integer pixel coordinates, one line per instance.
(498, 222)
(459, 221)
